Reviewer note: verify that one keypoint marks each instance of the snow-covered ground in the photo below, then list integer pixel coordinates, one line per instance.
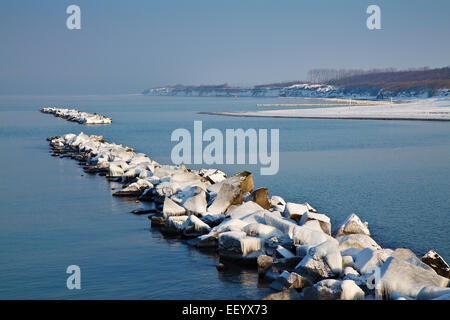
(426, 109)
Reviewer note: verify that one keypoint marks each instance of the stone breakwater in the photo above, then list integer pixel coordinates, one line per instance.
(294, 247)
(77, 116)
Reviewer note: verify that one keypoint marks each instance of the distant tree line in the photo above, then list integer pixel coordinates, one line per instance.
(348, 77)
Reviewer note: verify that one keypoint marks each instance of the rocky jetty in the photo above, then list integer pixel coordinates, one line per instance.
(77, 116)
(294, 247)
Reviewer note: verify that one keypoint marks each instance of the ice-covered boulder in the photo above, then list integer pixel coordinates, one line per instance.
(324, 221)
(331, 289)
(246, 212)
(237, 245)
(304, 235)
(212, 220)
(369, 258)
(194, 227)
(174, 224)
(213, 175)
(261, 230)
(229, 225)
(204, 241)
(134, 189)
(352, 225)
(295, 211)
(196, 204)
(170, 208)
(284, 225)
(278, 203)
(230, 191)
(359, 241)
(435, 261)
(406, 278)
(322, 261)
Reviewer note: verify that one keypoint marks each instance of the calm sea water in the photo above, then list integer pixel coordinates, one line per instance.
(394, 174)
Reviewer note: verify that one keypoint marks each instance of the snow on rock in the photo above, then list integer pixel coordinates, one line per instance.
(260, 230)
(324, 221)
(172, 209)
(213, 175)
(369, 258)
(229, 225)
(305, 235)
(194, 227)
(278, 203)
(230, 191)
(196, 204)
(331, 289)
(406, 278)
(174, 224)
(236, 244)
(284, 225)
(321, 262)
(360, 241)
(295, 211)
(352, 225)
(77, 116)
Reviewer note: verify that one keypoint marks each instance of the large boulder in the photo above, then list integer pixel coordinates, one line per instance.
(237, 245)
(231, 191)
(368, 258)
(261, 230)
(194, 227)
(352, 225)
(331, 289)
(278, 203)
(295, 211)
(358, 241)
(322, 261)
(249, 211)
(324, 221)
(171, 208)
(284, 225)
(435, 261)
(196, 204)
(305, 235)
(264, 262)
(406, 278)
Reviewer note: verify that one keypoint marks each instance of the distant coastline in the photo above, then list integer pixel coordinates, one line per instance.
(325, 83)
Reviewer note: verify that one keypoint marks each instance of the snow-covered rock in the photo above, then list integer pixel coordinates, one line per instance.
(230, 191)
(295, 211)
(305, 235)
(194, 227)
(237, 245)
(261, 230)
(352, 225)
(360, 241)
(331, 289)
(172, 209)
(324, 221)
(406, 278)
(77, 116)
(196, 204)
(278, 203)
(322, 261)
(284, 225)
(432, 292)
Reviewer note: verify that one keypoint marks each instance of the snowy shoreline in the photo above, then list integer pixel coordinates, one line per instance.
(436, 109)
(77, 116)
(293, 246)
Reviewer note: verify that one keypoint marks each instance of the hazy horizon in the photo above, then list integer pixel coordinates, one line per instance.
(125, 48)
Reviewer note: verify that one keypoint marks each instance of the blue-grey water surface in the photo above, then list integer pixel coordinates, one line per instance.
(393, 174)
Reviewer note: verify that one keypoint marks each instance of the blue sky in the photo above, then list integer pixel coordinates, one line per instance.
(128, 46)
